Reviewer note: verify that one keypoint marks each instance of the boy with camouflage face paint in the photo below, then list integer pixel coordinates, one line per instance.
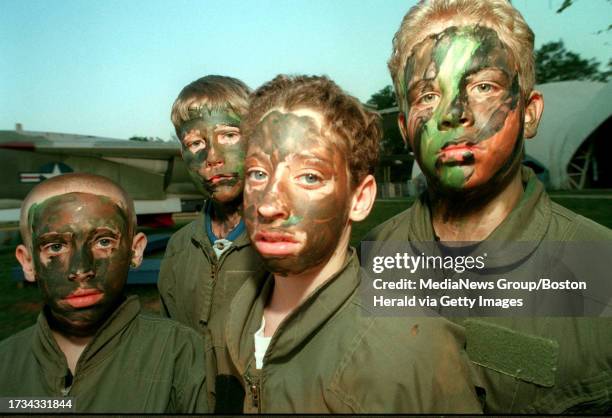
(90, 342)
(300, 336)
(463, 72)
(208, 260)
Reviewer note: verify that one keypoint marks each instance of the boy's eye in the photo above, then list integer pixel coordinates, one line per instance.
(309, 179)
(196, 145)
(428, 99)
(229, 138)
(257, 175)
(484, 88)
(104, 242)
(54, 248)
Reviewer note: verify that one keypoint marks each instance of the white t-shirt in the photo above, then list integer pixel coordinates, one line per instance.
(261, 344)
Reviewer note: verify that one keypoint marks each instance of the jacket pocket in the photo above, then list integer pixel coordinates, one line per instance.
(513, 366)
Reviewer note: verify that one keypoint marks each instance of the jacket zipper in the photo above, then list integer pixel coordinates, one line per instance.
(255, 391)
(68, 383)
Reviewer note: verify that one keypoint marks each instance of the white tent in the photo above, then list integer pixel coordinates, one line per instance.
(573, 110)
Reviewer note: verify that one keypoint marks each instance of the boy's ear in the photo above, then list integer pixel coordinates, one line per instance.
(533, 113)
(139, 243)
(25, 259)
(401, 124)
(363, 199)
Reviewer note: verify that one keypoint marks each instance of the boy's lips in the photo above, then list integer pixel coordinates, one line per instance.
(82, 298)
(457, 152)
(218, 178)
(277, 244)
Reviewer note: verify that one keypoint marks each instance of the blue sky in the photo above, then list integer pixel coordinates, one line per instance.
(113, 68)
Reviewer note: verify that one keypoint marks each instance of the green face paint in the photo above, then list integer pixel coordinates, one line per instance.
(213, 150)
(297, 192)
(81, 251)
(292, 220)
(462, 115)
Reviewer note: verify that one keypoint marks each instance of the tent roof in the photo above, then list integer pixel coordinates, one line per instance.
(572, 111)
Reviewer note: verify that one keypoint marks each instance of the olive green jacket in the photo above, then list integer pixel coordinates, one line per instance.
(330, 355)
(196, 289)
(529, 364)
(134, 364)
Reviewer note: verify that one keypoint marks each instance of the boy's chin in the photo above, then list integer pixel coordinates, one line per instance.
(225, 194)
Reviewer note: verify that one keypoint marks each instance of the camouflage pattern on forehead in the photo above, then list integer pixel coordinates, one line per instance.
(53, 205)
(214, 116)
(75, 183)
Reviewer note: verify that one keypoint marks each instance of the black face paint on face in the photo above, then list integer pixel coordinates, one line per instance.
(81, 251)
(297, 192)
(464, 111)
(213, 149)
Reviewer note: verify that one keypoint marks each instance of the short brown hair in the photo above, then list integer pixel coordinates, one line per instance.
(496, 14)
(216, 92)
(344, 116)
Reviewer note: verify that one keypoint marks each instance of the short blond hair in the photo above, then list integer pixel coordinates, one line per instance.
(215, 92)
(499, 15)
(74, 183)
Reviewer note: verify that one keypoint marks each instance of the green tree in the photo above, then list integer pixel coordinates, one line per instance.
(555, 63)
(391, 142)
(383, 98)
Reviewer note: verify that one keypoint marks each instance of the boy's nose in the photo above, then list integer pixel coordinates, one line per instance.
(81, 276)
(81, 266)
(213, 159)
(272, 209)
(455, 116)
(273, 203)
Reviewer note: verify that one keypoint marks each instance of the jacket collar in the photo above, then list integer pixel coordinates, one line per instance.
(52, 359)
(247, 309)
(199, 237)
(513, 240)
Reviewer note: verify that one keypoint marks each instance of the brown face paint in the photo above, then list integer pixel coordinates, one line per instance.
(213, 150)
(297, 192)
(464, 110)
(81, 251)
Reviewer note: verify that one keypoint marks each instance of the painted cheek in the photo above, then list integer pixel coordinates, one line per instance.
(53, 280)
(324, 219)
(195, 161)
(250, 216)
(234, 159)
(498, 149)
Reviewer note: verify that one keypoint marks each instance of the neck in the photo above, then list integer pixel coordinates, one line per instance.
(72, 347)
(225, 216)
(465, 222)
(290, 291)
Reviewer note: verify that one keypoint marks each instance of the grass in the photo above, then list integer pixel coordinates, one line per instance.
(20, 303)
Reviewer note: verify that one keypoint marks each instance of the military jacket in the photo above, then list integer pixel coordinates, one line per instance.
(134, 364)
(196, 289)
(330, 355)
(534, 364)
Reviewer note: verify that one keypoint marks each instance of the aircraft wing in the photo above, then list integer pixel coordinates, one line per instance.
(82, 145)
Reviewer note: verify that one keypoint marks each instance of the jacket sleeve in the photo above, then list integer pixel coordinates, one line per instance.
(190, 385)
(166, 283)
